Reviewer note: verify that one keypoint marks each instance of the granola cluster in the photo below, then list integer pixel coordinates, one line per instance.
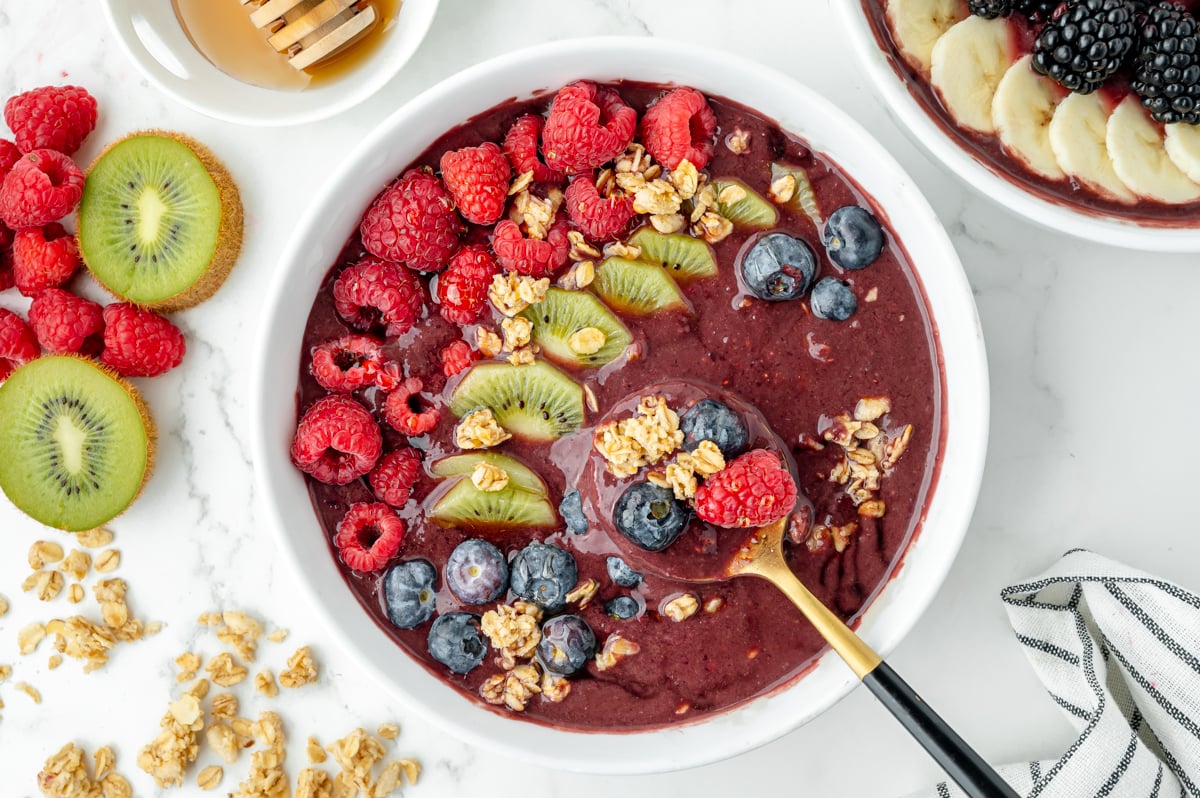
(65, 775)
(479, 429)
(643, 439)
(680, 476)
(514, 630)
(511, 293)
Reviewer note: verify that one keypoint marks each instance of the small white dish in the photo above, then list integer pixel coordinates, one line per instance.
(1090, 225)
(151, 35)
(334, 215)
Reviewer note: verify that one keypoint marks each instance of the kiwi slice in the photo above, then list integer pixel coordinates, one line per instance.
(684, 257)
(78, 442)
(465, 505)
(160, 223)
(750, 210)
(637, 288)
(562, 314)
(536, 401)
(520, 476)
(805, 198)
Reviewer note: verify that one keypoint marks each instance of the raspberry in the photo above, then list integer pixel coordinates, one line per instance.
(521, 147)
(679, 127)
(598, 217)
(140, 343)
(42, 187)
(347, 364)
(413, 222)
(52, 117)
(337, 441)
(43, 257)
(407, 412)
(9, 155)
(368, 536)
(373, 292)
(477, 179)
(586, 127)
(18, 344)
(64, 322)
(532, 256)
(456, 357)
(394, 476)
(463, 288)
(753, 490)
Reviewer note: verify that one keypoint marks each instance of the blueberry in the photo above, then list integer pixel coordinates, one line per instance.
(709, 420)
(832, 299)
(456, 641)
(622, 607)
(650, 516)
(852, 237)
(476, 572)
(779, 267)
(620, 572)
(543, 574)
(567, 644)
(571, 509)
(409, 593)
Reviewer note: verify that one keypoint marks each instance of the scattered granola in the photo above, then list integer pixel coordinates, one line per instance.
(266, 778)
(313, 783)
(30, 691)
(357, 753)
(64, 775)
(514, 630)
(168, 755)
(264, 682)
(94, 538)
(76, 564)
(301, 669)
(240, 632)
(188, 664)
(43, 553)
(225, 671)
(480, 430)
(489, 478)
(555, 688)
(514, 687)
(522, 357)
(644, 439)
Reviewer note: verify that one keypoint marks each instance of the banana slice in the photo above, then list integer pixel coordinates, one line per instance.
(968, 63)
(1077, 135)
(1140, 158)
(918, 24)
(1183, 146)
(1022, 109)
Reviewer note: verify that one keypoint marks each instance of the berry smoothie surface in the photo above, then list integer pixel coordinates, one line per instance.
(853, 408)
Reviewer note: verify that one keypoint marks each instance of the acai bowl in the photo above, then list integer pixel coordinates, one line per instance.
(627, 369)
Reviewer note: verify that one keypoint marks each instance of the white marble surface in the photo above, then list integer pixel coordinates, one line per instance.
(1092, 386)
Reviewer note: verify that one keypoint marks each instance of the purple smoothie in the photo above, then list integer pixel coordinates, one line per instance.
(792, 368)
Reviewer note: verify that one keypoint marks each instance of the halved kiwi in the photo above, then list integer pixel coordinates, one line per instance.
(520, 476)
(683, 257)
(536, 401)
(562, 314)
(805, 198)
(78, 442)
(160, 223)
(466, 506)
(750, 210)
(637, 288)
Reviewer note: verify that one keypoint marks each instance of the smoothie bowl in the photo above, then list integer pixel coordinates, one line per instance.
(1082, 116)
(570, 304)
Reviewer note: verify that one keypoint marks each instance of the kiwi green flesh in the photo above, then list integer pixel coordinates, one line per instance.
(76, 446)
(562, 314)
(149, 219)
(805, 198)
(464, 505)
(637, 288)
(752, 210)
(683, 257)
(536, 401)
(520, 476)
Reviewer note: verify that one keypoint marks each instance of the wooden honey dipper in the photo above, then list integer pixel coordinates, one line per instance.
(309, 31)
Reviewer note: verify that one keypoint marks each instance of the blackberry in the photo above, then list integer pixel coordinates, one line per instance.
(1167, 68)
(990, 9)
(1086, 44)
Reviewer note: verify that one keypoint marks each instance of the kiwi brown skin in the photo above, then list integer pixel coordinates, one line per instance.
(229, 230)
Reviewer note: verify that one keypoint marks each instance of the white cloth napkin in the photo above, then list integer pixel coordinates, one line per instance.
(1119, 652)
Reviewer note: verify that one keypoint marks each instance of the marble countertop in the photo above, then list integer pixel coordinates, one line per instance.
(1085, 348)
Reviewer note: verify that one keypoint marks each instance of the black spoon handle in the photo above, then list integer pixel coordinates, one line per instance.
(949, 750)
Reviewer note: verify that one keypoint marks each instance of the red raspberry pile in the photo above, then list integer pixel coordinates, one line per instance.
(753, 490)
(39, 185)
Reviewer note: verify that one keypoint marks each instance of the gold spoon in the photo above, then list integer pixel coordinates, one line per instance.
(310, 31)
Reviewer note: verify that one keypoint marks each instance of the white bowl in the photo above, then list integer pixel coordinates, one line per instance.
(151, 35)
(332, 219)
(981, 175)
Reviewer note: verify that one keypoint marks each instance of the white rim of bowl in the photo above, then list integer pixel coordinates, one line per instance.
(926, 560)
(353, 88)
(982, 177)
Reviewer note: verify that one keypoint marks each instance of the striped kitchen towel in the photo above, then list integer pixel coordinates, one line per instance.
(1119, 652)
